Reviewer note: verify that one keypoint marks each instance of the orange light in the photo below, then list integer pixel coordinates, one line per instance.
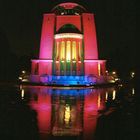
(106, 96)
(99, 100)
(99, 69)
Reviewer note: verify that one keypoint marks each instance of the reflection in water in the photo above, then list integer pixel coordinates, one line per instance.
(114, 95)
(68, 112)
(22, 93)
(133, 91)
(65, 112)
(67, 115)
(41, 113)
(106, 96)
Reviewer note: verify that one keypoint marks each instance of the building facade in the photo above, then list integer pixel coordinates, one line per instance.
(68, 48)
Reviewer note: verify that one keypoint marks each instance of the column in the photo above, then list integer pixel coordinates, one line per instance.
(68, 57)
(77, 58)
(62, 58)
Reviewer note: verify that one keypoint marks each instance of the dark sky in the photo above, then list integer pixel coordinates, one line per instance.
(21, 20)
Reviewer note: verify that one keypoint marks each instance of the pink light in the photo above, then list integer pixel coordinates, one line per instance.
(43, 109)
(44, 60)
(84, 37)
(90, 60)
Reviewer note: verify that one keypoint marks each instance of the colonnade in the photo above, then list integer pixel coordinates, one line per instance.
(68, 54)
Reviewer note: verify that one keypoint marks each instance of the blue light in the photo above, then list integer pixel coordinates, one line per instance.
(69, 80)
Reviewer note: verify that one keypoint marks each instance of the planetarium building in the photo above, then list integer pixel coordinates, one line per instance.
(68, 48)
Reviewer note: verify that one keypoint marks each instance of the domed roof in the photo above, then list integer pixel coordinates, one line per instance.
(68, 9)
(68, 28)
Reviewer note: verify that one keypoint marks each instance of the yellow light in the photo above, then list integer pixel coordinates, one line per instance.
(116, 79)
(74, 50)
(113, 72)
(24, 80)
(20, 78)
(68, 51)
(22, 93)
(133, 91)
(67, 114)
(132, 74)
(68, 35)
(112, 81)
(62, 50)
(23, 71)
(99, 69)
(114, 95)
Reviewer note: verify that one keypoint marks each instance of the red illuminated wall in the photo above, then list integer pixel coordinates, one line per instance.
(89, 31)
(90, 41)
(47, 37)
(62, 20)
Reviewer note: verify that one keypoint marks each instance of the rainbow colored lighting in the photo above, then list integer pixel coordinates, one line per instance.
(68, 48)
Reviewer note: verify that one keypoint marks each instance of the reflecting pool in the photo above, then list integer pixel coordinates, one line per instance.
(44, 113)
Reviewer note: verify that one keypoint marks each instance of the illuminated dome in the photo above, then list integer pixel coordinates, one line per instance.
(68, 9)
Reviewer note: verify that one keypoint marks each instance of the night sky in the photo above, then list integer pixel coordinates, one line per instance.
(21, 20)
